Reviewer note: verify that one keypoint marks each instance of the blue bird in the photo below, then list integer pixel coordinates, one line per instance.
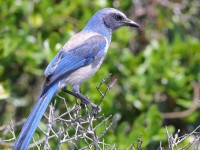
(76, 62)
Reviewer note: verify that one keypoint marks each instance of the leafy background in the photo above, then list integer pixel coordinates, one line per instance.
(157, 68)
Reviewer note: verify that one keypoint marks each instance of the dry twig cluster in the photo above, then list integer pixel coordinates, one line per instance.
(78, 128)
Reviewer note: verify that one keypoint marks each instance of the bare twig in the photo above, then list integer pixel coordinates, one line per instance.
(176, 140)
(110, 85)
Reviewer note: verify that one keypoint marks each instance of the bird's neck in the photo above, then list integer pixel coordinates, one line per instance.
(95, 25)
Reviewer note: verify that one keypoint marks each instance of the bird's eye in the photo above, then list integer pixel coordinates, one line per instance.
(118, 17)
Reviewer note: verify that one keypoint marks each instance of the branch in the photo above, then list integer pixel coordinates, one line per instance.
(193, 108)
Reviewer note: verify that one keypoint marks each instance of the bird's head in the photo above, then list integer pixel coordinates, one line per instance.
(114, 19)
(107, 20)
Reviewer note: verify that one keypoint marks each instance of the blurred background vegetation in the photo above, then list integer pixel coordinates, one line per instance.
(157, 68)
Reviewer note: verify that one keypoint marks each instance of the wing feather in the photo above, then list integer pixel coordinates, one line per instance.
(81, 55)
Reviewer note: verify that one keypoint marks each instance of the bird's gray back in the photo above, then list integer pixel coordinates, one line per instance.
(79, 59)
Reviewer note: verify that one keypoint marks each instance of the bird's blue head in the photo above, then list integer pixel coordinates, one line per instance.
(107, 20)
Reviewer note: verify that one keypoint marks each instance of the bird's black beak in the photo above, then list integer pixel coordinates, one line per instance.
(131, 23)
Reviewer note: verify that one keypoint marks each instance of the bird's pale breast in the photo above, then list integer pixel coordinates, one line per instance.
(84, 73)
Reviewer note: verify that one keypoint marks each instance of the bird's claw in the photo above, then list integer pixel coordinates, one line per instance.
(95, 108)
(84, 102)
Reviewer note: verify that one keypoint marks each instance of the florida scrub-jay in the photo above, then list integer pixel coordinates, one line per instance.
(76, 62)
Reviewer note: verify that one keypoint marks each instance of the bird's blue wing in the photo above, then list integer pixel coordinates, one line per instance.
(79, 56)
(51, 66)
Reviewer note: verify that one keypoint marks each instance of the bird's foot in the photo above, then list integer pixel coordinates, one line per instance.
(96, 110)
(85, 101)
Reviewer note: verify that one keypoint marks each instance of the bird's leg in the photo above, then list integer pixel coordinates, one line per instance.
(84, 100)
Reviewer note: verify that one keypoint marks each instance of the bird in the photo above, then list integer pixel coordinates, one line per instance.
(76, 62)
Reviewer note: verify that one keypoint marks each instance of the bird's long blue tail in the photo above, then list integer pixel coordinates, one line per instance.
(35, 116)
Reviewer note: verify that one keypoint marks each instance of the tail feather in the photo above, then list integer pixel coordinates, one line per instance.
(35, 116)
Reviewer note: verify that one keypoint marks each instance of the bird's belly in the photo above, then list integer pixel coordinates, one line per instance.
(84, 73)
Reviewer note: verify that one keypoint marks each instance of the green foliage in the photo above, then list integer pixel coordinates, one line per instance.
(158, 79)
